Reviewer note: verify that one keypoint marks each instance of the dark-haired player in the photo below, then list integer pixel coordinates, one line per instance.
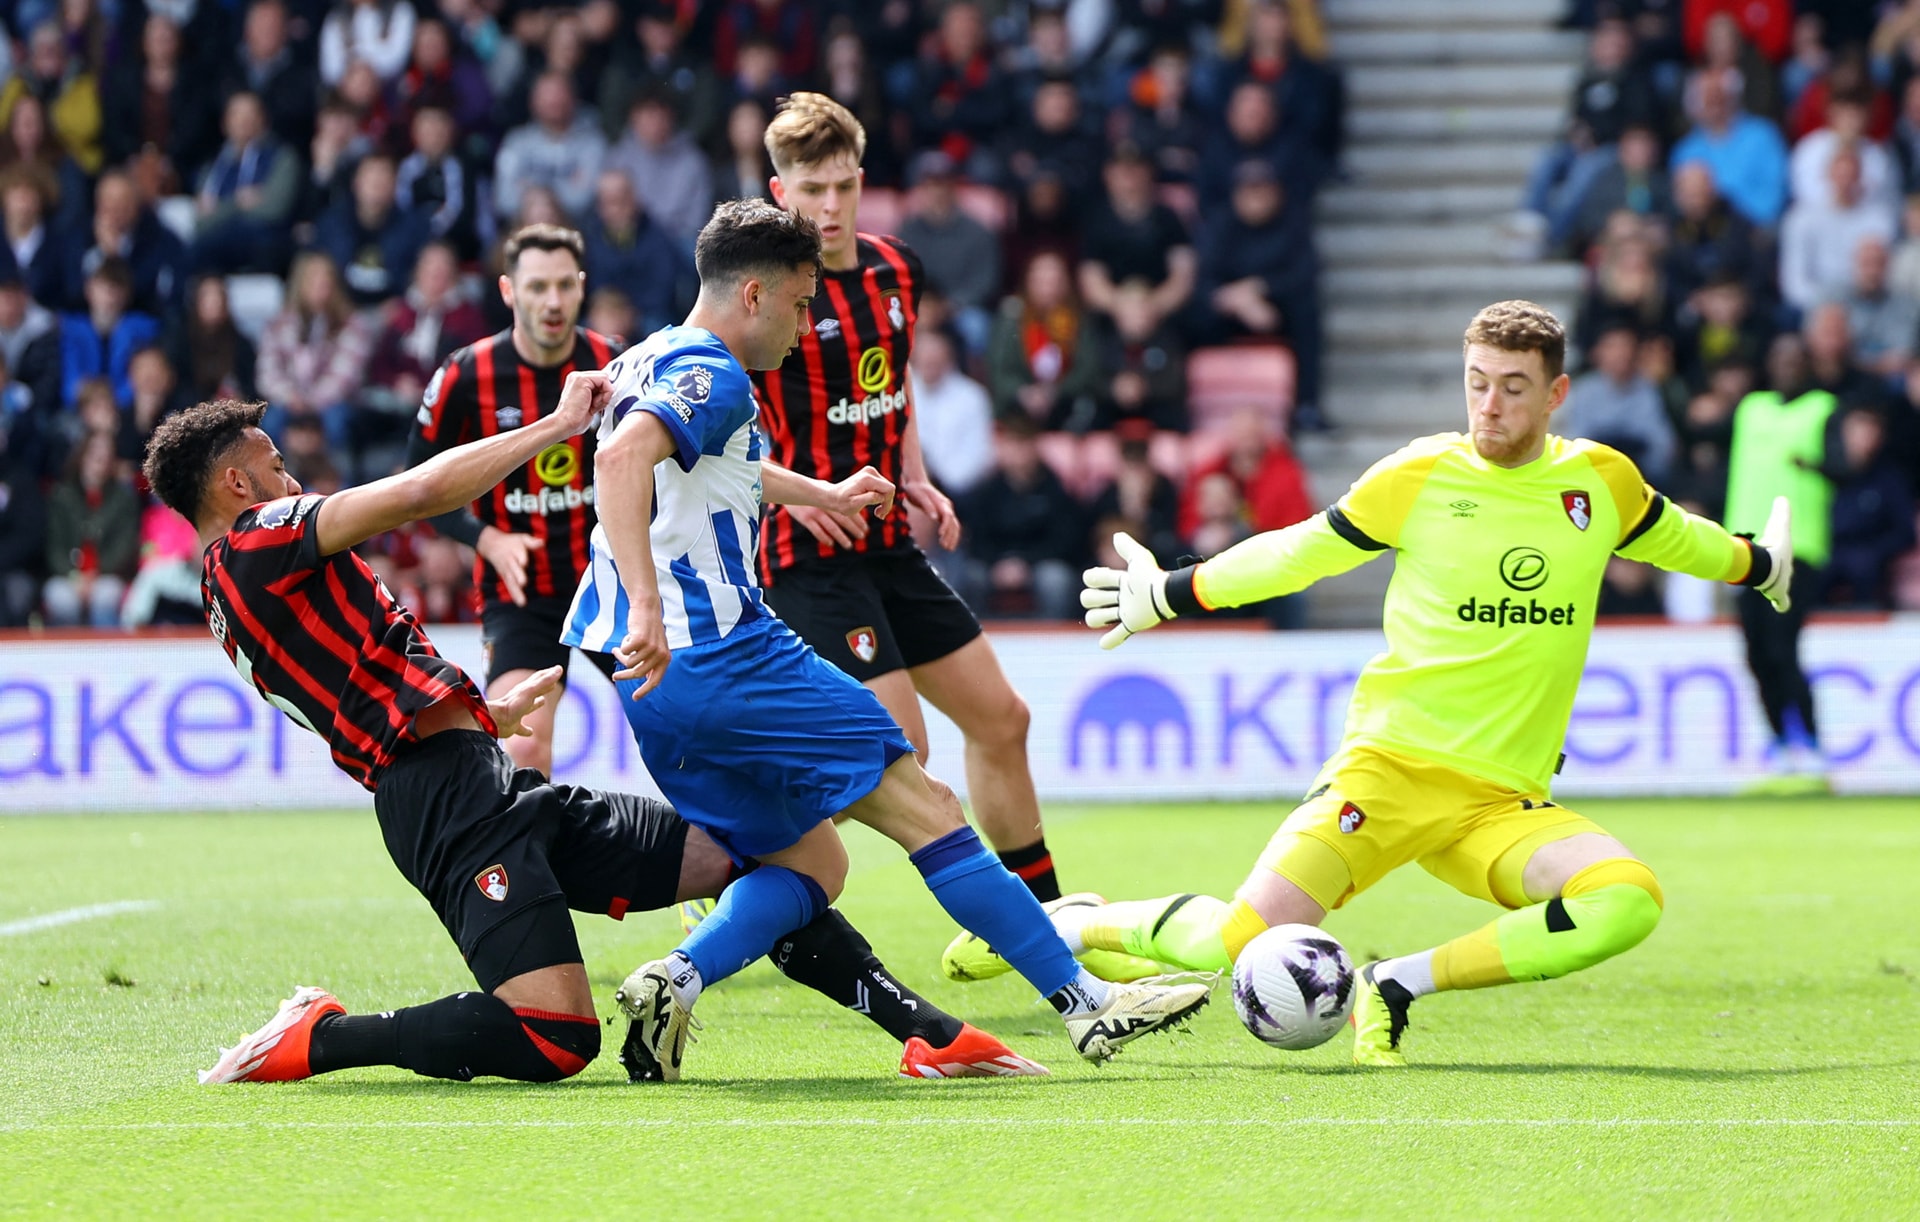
(530, 531)
(754, 737)
(500, 853)
(861, 593)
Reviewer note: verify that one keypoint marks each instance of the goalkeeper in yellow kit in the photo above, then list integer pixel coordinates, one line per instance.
(1454, 733)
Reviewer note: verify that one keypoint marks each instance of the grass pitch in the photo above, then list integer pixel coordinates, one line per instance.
(1758, 1057)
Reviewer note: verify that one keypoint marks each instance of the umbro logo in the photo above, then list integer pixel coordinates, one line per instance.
(1463, 508)
(827, 328)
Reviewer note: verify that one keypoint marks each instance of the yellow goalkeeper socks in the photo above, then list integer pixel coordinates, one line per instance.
(1609, 907)
(1195, 932)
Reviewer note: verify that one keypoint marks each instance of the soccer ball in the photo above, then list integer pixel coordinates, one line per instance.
(1293, 986)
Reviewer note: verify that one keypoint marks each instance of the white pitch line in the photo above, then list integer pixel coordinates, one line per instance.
(69, 916)
(1476, 1122)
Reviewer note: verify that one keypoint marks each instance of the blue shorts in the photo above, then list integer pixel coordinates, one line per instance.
(755, 739)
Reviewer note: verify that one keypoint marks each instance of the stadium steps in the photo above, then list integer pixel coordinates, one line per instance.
(1362, 15)
(1458, 287)
(1460, 84)
(1442, 162)
(1441, 243)
(1443, 45)
(1450, 102)
(1483, 122)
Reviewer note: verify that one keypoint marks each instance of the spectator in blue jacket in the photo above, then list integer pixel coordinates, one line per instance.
(246, 195)
(628, 252)
(124, 228)
(101, 342)
(373, 240)
(1746, 154)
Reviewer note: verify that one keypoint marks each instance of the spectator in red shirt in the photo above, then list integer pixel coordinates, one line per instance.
(788, 24)
(1768, 24)
(1262, 465)
(960, 102)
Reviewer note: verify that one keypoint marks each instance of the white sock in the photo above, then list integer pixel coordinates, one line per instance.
(1414, 973)
(1083, 994)
(1067, 922)
(684, 979)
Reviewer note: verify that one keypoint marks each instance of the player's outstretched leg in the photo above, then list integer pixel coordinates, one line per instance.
(924, 817)
(969, 957)
(1602, 909)
(462, 1037)
(831, 957)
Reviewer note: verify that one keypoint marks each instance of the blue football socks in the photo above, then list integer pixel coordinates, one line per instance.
(986, 899)
(755, 911)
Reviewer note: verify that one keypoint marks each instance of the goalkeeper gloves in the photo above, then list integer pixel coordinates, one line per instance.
(1129, 600)
(1776, 540)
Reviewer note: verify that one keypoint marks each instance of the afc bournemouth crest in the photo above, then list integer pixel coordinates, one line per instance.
(1579, 507)
(492, 882)
(864, 643)
(1351, 817)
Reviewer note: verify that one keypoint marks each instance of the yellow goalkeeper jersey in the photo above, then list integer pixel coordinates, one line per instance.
(1491, 607)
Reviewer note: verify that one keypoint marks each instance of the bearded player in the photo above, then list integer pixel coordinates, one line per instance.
(500, 853)
(1453, 735)
(859, 591)
(529, 533)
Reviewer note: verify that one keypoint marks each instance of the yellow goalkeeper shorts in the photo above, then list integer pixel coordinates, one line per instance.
(1377, 810)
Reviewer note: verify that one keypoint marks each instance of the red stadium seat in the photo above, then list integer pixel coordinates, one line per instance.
(1204, 446)
(1100, 460)
(1062, 452)
(988, 205)
(1221, 381)
(880, 210)
(1167, 454)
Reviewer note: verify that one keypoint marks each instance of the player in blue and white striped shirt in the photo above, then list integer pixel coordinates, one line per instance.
(749, 733)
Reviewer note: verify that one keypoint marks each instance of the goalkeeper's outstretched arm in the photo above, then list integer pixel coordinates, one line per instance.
(1265, 566)
(1669, 537)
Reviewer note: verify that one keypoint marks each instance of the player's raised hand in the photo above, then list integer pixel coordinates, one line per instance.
(532, 692)
(1129, 600)
(582, 397)
(508, 554)
(1776, 539)
(643, 654)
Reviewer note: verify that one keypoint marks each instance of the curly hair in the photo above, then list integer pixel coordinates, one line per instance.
(809, 128)
(187, 445)
(1521, 326)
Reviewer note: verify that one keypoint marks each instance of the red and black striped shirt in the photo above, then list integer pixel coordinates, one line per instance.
(323, 639)
(486, 389)
(840, 401)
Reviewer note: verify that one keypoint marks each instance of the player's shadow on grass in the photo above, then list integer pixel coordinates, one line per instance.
(864, 1088)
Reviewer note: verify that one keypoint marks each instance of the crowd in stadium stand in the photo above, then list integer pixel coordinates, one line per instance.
(1742, 181)
(302, 201)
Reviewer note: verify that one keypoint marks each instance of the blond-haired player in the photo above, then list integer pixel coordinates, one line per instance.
(1453, 735)
(859, 591)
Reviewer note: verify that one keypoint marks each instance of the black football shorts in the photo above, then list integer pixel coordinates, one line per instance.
(871, 613)
(502, 853)
(528, 638)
